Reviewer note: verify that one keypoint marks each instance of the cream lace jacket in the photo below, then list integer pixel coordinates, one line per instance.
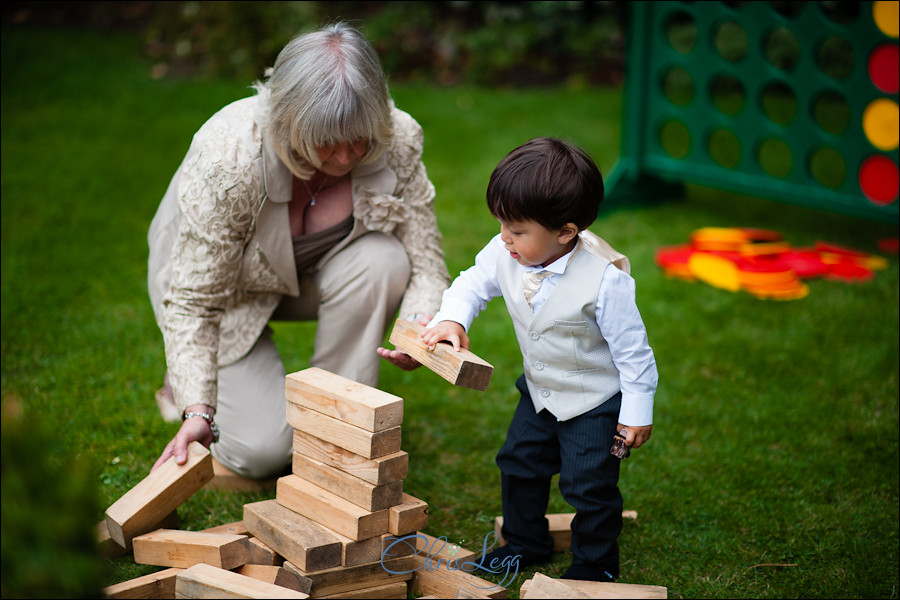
(221, 256)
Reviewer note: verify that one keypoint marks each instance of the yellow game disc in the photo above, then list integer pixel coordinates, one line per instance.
(881, 123)
(714, 270)
(885, 16)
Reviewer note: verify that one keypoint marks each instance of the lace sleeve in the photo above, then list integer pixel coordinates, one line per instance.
(418, 232)
(218, 197)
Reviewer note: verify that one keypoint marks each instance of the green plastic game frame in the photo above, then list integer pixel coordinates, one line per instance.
(649, 167)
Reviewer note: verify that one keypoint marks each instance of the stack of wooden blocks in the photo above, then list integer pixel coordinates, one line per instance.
(337, 518)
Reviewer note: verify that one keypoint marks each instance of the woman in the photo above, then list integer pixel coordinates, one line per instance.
(306, 201)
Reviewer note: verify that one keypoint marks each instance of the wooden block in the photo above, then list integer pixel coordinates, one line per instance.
(596, 589)
(178, 548)
(398, 590)
(275, 575)
(542, 586)
(461, 368)
(155, 585)
(234, 528)
(358, 552)
(158, 494)
(377, 471)
(465, 592)
(409, 516)
(341, 580)
(394, 546)
(111, 549)
(560, 528)
(207, 581)
(227, 480)
(347, 436)
(359, 492)
(329, 509)
(428, 545)
(432, 577)
(262, 554)
(296, 538)
(344, 399)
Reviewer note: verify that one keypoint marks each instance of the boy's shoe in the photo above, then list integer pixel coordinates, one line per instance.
(589, 573)
(506, 553)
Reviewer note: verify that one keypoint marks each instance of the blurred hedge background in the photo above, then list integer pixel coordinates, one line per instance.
(575, 43)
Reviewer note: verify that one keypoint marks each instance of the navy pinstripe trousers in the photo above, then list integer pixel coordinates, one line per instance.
(537, 447)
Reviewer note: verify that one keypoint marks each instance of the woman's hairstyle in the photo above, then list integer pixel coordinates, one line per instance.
(327, 87)
(549, 181)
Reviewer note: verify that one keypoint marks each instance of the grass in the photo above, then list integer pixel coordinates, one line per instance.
(772, 471)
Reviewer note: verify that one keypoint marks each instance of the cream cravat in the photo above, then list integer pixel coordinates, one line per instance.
(531, 281)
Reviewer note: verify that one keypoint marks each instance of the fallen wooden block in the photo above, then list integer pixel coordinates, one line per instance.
(434, 577)
(344, 399)
(262, 554)
(155, 585)
(377, 471)
(542, 586)
(596, 589)
(225, 479)
(347, 436)
(428, 545)
(359, 492)
(158, 494)
(275, 575)
(560, 528)
(296, 538)
(111, 549)
(341, 580)
(234, 528)
(461, 368)
(386, 591)
(207, 581)
(330, 510)
(409, 516)
(178, 548)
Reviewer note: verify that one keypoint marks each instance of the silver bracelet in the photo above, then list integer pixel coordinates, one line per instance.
(208, 418)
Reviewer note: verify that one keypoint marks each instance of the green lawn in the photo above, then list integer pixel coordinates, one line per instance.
(772, 471)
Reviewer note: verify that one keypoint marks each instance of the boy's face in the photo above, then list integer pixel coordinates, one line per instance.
(532, 244)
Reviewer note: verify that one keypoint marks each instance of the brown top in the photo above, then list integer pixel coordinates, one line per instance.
(308, 249)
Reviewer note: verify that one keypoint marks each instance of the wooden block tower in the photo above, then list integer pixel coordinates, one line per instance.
(335, 517)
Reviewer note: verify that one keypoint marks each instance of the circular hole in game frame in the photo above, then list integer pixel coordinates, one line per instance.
(775, 157)
(730, 41)
(834, 56)
(841, 12)
(827, 166)
(782, 49)
(678, 86)
(724, 148)
(883, 68)
(879, 179)
(728, 94)
(675, 139)
(788, 8)
(779, 103)
(681, 31)
(831, 112)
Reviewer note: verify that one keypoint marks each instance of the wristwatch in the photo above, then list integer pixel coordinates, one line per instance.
(208, 417)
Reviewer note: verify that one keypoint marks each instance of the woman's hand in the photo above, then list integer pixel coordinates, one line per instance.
(195, 429)
(398, 357)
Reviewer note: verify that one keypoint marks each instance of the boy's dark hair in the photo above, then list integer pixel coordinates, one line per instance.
(549, 181)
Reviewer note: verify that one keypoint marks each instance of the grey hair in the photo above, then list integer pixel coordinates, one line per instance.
(327, 87)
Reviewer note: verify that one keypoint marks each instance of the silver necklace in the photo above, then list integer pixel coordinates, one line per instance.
(313, 196)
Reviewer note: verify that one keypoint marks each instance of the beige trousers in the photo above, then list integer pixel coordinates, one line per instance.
(354, 297)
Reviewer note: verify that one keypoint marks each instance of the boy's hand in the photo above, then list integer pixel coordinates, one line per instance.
(446, 331)
(635, 437)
